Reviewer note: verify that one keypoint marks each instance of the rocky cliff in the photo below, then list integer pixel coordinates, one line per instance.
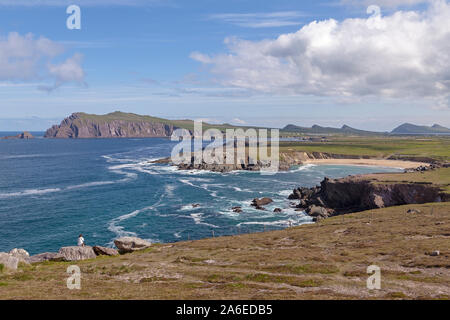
(357, 193)
(114, 125)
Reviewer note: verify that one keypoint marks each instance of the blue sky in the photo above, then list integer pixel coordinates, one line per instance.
(171, 58)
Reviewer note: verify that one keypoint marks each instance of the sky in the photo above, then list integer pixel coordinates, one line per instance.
(370, 64)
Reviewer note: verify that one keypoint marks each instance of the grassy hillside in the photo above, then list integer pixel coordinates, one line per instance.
(131, 117)
(327, 260)
(437, 148)
(316, 129)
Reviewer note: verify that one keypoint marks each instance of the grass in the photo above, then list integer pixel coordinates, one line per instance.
(437, 148)
(327, 260)
(439, 178)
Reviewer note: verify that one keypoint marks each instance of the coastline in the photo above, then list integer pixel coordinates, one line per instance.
(400, 164)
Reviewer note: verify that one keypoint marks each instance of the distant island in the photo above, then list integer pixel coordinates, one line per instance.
(129, 125)
(409, 128)
(24, 135)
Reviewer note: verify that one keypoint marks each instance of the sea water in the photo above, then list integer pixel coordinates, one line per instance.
(52, 190)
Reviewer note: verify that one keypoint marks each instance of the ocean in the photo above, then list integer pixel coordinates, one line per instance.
(53, 190)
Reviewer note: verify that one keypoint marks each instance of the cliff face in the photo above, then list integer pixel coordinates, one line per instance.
(353, 194)
(349, 194)
(80, 126)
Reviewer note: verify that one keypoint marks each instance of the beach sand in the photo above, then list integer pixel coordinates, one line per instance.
(368, 162)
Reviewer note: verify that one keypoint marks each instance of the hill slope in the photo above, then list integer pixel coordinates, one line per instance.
(121, 125)
(316, 129)
(408, 128)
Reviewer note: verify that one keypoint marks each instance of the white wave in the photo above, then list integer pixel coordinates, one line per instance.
(188, 207)
(198, 219)
(285, 192)
(30, 192)
(91, 184)
(301, 168)
(177, 235)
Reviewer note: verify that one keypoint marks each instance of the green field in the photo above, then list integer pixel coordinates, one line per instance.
(437, 148)
(327, 260)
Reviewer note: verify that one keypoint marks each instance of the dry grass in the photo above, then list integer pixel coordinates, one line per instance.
(327, 260)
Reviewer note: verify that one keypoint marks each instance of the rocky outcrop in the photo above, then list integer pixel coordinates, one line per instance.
(75, 254)
(115, 125)
(103, 251)
(9, 261)
(131, 244)
(46, 256)
(21, 254)
(24, 135)
(353, 194)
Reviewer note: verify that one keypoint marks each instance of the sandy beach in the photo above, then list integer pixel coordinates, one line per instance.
(369, 162)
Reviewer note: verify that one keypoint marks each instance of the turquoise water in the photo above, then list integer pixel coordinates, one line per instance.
(53, 190)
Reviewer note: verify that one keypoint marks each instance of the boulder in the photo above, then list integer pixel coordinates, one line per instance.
(9, 261)
(46, 256)
(237, 209)
(413, 211)
(261, 202)
(21, 254)
(75, 254)
(315, 211)
(277, 210)
(131, 244)
(103, 251)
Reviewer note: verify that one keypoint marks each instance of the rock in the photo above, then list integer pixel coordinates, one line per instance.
(237, 209)
(46, 256)
(9, 261)
(21, 254)
(260, 208)
(315, 211)
(103, 251)
(303, 204)
(195, 205)
(131, 244)
(261, 202)
(75, 254)
(277, 210)
(434, 253)
(413, 211)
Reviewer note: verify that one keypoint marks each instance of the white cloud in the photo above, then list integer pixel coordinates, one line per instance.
(238, 121)
(25, 58)
(261, 20)
(403, 55)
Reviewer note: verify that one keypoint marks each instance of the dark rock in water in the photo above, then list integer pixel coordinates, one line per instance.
(195, 205)
(261, 202)
(277, 210)
(46, 256)
(131, 244)
(237, 209)
(103, 251)
(77, 253)
(260, 208)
